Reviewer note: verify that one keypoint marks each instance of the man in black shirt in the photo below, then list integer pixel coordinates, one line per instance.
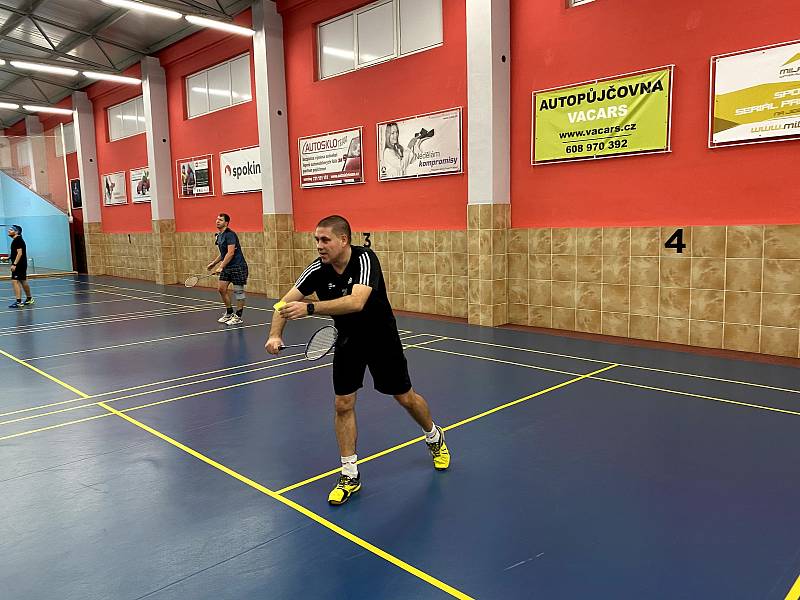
(349, 283)
(232, 270)
(18, 259)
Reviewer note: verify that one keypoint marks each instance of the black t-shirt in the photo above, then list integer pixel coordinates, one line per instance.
(363, 268)
(229, 238)
(19, 244)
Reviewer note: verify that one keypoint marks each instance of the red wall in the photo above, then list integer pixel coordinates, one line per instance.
(120, 155)
(226, 129)
(420, 83)
(553, 46)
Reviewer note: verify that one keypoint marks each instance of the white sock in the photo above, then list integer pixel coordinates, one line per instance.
(349, 466)
(433, 435)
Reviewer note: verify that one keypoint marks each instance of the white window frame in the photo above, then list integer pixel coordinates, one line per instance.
(108, 119)
(576, 3)
(397, 32)
(230, 82)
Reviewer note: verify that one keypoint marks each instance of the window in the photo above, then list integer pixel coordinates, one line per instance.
(126, 119)
(378, 32)
(222, 86)
(571, 3)
(69, 139)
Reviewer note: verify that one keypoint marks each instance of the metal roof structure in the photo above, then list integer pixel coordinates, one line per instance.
(85, 35)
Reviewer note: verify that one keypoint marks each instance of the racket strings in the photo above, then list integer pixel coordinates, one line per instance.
(191, 281)
(321, 343)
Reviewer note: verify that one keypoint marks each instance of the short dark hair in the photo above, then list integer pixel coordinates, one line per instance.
(225, 216)
(338, 225)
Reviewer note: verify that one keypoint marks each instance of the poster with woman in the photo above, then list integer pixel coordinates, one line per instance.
(114, 189)
(420, 146)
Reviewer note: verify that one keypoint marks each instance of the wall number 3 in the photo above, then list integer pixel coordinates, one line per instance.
(676, 241)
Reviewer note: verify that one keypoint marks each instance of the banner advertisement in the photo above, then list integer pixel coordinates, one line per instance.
(114, 189)
(604, 118)
(194, 176)
(332, 158)
(75, 193)
(420, 146)
(140, 184)
(756, 96)
(240, 170)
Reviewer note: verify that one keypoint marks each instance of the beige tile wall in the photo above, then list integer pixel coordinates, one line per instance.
(735, 287)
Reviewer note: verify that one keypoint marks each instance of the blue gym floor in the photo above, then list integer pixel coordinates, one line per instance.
(147, 451)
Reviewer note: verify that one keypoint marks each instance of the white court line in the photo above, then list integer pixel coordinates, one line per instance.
(35, 307)
(224, 329)
(132, 313)
(99, 321)
(273, 364)
(630, 366)
(75, 293)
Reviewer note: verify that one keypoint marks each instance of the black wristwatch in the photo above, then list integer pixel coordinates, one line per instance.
(310, 308)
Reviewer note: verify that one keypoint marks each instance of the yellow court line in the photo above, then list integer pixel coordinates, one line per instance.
(794, 593)
(257, 486)
(628, 383)
(655, 369)
(45, 375)
(82, 320)
(299, 508)
(448, 428)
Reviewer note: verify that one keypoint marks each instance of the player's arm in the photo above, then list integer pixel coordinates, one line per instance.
(15, 261)
(352, 303)
(274, 341)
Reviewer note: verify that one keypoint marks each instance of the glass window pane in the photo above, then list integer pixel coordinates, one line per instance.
(420, 24)
(376, 33)
(69, 138)
(115, 130)
(129, 121)
(140, 122)
(198, 94)
(240, 79)
(336, 47)
(56, 133)
(219, 87)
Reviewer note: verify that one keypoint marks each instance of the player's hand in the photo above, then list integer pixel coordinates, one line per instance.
(273, 345)
(209, 266)
(294, 310)
(218, 270)
(13, 267)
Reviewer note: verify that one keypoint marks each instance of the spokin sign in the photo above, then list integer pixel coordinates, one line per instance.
(240, 170)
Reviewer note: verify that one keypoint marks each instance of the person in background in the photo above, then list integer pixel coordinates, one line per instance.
(18, 259)
(232, 270)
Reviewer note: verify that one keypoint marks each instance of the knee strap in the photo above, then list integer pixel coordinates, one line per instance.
(238, 292)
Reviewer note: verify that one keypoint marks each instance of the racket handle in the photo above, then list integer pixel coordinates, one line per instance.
(291, 346)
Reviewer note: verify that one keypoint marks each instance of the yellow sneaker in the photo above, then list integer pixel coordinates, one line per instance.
(439, 452)
(346, 487)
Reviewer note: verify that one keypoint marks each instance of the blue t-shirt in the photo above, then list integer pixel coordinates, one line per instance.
(229, 238)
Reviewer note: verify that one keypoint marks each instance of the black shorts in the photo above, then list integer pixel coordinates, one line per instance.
(384, 357)
(236, 275)
(19, 274)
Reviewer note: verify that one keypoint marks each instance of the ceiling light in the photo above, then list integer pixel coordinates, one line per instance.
(9, 105)
(145, 8)
(43, 68)
(111, 77)
(212, 24)
(47, 109)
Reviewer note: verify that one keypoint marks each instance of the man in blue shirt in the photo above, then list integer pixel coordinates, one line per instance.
(232, 270)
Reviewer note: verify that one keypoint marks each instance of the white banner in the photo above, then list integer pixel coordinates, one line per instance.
(420, 146)
(331, 158)
(756, 95)
(240, 170)
(114, 188)
(140, 184)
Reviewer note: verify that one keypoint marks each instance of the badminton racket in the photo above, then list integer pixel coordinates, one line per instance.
(320, 344)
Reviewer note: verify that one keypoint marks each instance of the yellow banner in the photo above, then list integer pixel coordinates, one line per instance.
(606, 118)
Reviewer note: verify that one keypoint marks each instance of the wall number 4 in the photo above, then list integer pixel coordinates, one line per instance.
(676, 241)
